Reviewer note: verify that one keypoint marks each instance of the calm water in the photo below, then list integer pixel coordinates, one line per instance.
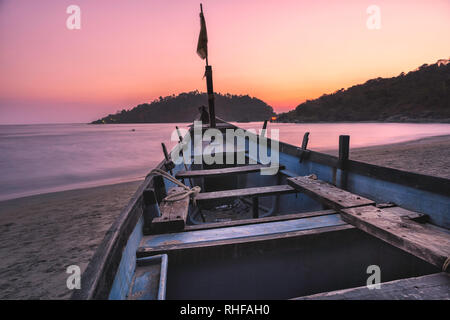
(45, 158)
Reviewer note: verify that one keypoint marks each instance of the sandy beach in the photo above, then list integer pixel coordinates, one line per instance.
(41, 235)
(429, 156)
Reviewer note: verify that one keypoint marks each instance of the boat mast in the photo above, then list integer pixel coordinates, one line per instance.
(209, 87)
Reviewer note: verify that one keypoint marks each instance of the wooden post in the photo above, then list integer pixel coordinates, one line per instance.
(305, 140)
(209, 86)
(304, 145)
(150, 209)
(255, 207)
(344, 149)
(263, 131)
(159, 187)
(166, 154)
(168, 164)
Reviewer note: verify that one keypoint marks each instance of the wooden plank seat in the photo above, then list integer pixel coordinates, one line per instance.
(424, 241)
(328, 194)
(430, 287)
(222, 171)
(257, 191)
(239, 234)
(173, 214)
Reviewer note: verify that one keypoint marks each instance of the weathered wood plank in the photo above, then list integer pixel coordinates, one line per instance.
(243, 222)
(173, 214)
(149, 280)
(144, 251)
(222, 172)
(430, 287)
(327, 194)
(258, 191)
(424, 241)
(416, 216)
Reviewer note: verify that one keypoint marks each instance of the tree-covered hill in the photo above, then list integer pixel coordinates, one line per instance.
(185, 107)
(422, 95)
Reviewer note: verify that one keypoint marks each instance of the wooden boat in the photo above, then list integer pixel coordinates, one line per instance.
(311, 232)
(314, 230)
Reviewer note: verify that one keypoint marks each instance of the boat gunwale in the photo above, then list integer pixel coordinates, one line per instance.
(98, 278)
(419, 181)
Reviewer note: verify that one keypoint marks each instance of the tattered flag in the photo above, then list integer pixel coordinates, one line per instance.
(202, 45)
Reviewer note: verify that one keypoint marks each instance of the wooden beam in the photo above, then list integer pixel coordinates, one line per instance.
(416, 216)
(258, 191)
(430, 287)
(424, 241)
(243, 222)
(144, 251)
(221, 172)
(327, 194)
(173, 214)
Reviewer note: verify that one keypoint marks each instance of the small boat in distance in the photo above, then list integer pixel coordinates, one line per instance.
(321, 227)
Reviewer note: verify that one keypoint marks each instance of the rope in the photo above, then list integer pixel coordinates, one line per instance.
(186, 192)
(446, 264)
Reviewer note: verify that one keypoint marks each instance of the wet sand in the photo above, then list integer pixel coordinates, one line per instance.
(40, 236)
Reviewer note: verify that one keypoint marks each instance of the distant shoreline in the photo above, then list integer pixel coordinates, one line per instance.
(189, 122)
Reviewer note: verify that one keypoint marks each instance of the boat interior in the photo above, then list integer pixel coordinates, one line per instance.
(304, 231)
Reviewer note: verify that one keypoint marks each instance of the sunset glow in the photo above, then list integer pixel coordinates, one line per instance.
(129, 52)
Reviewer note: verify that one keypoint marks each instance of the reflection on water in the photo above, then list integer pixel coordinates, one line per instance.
(43, 158)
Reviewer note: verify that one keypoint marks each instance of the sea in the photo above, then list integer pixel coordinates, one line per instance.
(43, 158)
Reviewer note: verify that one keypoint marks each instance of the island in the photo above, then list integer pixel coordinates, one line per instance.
(184, 107)
(422, 95)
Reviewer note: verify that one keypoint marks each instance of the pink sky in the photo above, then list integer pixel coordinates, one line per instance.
(129, 52)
